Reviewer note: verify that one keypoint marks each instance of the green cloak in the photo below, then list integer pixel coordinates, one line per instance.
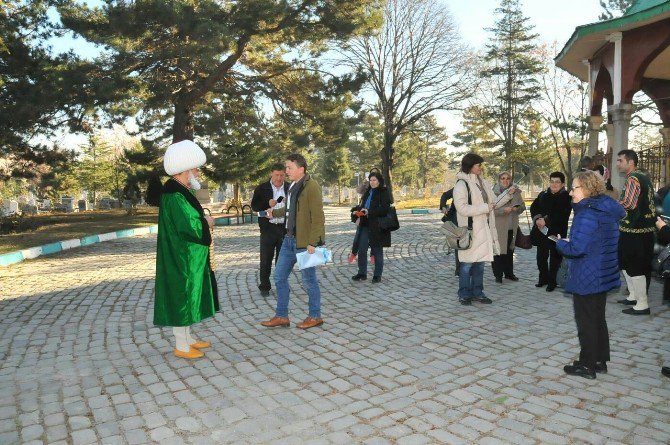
(185, 291)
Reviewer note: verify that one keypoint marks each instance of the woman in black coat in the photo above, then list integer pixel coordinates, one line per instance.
(551, 212)
(375, 203)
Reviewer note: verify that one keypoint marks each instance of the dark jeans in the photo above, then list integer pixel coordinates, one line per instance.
(592, 328)
(546, 252)
(287, 259)
(471, 281)
(272, 236)
(378, 252)
(458, 263)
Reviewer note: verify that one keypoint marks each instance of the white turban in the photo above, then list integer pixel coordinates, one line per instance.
(183, 156)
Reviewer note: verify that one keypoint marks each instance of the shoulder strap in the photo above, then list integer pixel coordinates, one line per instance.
(469, 201)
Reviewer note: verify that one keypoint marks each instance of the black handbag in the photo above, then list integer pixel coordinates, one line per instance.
(390, 221)
(661, 263)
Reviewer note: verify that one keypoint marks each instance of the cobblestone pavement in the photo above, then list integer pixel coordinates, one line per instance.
(397, 362)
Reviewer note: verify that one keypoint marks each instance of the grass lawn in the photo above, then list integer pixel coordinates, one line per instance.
(420, 203)
(53, 227)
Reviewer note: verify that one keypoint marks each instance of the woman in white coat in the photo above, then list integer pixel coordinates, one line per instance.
(484, 244)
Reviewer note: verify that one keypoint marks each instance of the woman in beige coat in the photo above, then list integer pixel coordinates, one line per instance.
(507, 213)
(484, 244)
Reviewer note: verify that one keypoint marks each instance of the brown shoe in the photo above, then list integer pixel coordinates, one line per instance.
(276, 322)
(310, 322)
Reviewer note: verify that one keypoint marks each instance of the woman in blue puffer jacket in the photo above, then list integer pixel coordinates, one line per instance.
(593, 268)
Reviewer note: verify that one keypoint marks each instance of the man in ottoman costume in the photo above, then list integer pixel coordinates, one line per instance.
(186, 291)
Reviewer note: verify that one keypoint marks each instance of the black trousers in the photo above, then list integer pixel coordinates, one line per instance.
(272, 236)
(636, 252)
(546, 251)
(504, 264)
(592, 328)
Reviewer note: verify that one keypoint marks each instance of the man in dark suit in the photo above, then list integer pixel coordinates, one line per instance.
(270, 194)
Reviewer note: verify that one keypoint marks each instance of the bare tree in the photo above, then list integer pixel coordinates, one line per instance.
(415, 65)
(563, 105)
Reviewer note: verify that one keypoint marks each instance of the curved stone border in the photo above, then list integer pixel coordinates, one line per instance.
(417, 211)
(47, 249)
(18, 256)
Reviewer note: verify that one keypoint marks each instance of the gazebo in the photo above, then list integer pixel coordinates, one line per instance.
(618, 58)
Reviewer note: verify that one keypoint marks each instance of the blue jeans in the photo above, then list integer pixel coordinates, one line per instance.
(471, 281)
(283, 269)
(378, 252)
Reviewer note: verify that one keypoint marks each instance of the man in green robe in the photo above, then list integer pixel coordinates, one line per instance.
(185, 291)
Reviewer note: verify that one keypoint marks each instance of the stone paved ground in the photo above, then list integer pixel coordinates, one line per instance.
(399, 362)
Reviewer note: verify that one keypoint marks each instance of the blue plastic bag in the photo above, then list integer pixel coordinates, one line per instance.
(320, 257)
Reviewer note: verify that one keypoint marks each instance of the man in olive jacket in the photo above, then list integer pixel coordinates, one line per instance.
(305, 229)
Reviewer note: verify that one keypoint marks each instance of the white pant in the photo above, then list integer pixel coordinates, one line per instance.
(637, 288)
(183, 336)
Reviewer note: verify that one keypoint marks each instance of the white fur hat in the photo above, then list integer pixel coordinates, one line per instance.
(183, 156)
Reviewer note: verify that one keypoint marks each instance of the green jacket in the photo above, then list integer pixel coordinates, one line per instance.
(185, 291)
(310, 222)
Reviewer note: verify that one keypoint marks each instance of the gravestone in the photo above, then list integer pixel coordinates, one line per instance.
(83, 205)
(9, 207)
(105, 204)
(68, 203)
(28, 209)
(203, 196)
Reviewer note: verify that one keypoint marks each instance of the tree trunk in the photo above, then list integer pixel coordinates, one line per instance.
(387, 168)
(236, 193)
(182, 127)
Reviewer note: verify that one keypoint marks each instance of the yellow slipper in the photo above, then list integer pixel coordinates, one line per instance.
(192, 353)
(201, 344)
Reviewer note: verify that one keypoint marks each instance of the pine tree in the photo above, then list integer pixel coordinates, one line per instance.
(478, 136)
(336, 170)
(179, 55)
(40, 93)
(512, 67)
(536, 151)
(96, 169)
(430, 149)
(613, 8)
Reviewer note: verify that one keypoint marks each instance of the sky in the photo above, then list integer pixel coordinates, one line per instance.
(554, 21)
